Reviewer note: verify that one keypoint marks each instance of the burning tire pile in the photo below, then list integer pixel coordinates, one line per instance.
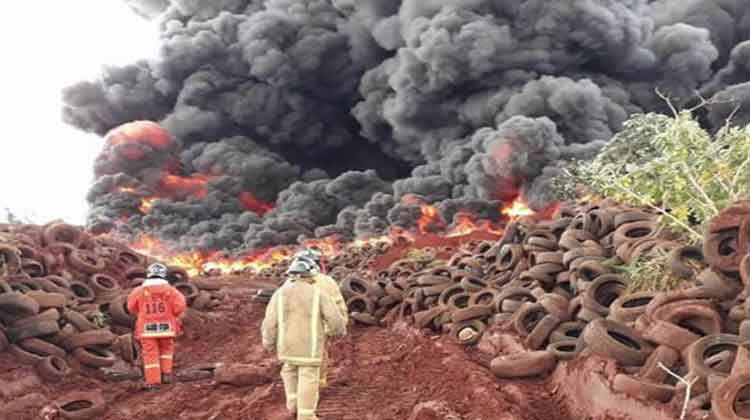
(63, 298)
(554, 283)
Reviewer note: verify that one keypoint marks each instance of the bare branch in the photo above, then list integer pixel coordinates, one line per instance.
(731, 116)
(688, 388)
(668, 101)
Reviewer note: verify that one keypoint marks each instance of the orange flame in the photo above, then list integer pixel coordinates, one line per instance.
(254, 205)
(194, 185)
(146, 205)
(147, 132)
(429, 217)
(196, 262)
(464, 224)
(517, 209)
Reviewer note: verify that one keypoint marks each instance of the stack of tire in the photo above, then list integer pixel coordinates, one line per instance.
(553, 282)
(58, 287)
(547, 264)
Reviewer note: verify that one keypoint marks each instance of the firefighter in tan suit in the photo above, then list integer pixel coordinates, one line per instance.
(328, 286)
(295, 325)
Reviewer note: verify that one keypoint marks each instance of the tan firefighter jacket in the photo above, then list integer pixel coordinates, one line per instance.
(329, 286)
(295, 322)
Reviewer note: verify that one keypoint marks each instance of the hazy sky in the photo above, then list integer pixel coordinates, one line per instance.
(45, 165)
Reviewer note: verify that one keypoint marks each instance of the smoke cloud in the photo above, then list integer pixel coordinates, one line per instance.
(291, 119)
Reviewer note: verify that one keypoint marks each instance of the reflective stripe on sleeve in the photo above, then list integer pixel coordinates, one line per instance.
(280, 316)
(314, 323)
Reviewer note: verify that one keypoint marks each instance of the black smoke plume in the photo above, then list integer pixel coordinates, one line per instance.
(338, 113)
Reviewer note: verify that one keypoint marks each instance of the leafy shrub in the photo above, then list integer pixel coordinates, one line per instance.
(670, 164)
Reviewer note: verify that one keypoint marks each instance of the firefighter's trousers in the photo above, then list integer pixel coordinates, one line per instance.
(301, 386)
(158, 355)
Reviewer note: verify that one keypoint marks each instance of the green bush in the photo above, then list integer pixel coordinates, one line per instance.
(649, 273)
(672, 165)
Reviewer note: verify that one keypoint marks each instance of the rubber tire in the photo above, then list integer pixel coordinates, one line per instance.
(82, 292)
(361, 304)
(95, 406)
(36, 329)
(745, 270)
(61, 233)
(541, 332)
(512, 292)
(527, 317)
(101, 337)
(564, 350)
(592, 298)
(700, 314)
(41, 347)
(188, 290)
(18, 305)
(567, 331)
(103, 285)
(86, 261)
(471, 312)
(88, 357)
(724, 396)
(695, 361)
(651, 372)
(177, 275)
(424, 319)
(78, 320)
(599, 340)
(665, 333)
(630, 217)
(643, 390)
(48, 300)
(118, 310)
(631, 232)
(354, 286)
(523, 365)
(12, 258)
(52, 368)
(627, 308)
(677, 265)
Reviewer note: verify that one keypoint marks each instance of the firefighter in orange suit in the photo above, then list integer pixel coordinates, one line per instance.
(329, 286)
(156, 305)
(299, 318)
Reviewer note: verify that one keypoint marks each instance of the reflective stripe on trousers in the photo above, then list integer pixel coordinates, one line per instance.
(157, 358)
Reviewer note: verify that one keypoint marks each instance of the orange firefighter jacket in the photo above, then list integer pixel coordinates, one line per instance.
(156, 304)
(296, 320)
(329, 286)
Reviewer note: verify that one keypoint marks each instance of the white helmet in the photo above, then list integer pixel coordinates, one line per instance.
(310, 254)
(157, 270)
(301, 267)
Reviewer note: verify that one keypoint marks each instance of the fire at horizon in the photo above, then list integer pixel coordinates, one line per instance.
(204, 262)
